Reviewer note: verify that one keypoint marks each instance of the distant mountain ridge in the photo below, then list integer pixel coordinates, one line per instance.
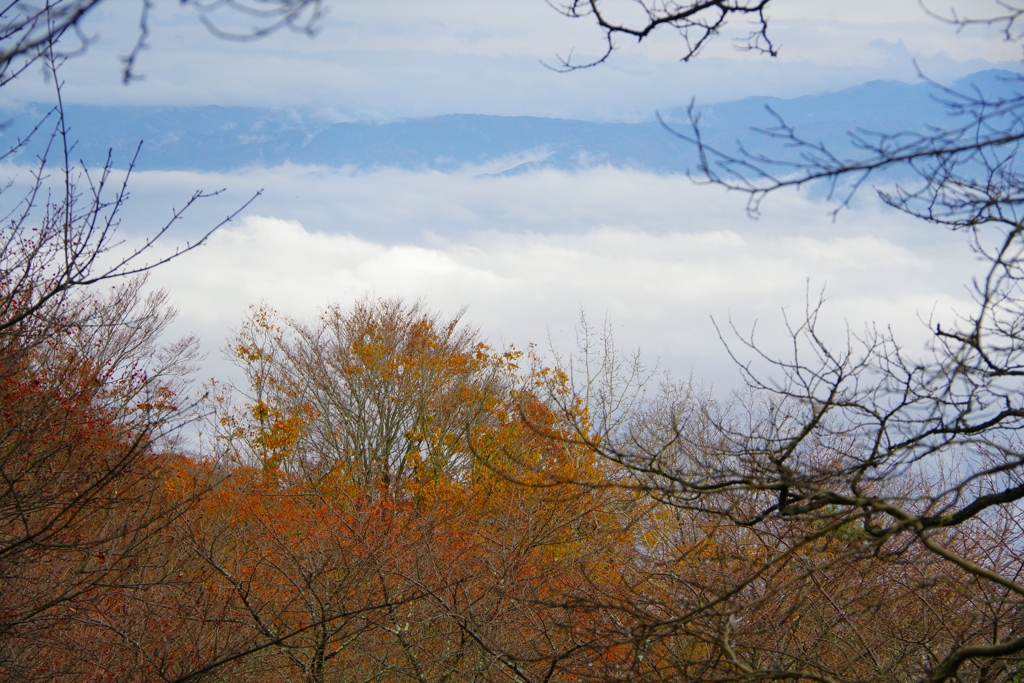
(229, 138)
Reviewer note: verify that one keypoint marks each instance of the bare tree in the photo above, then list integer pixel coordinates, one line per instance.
(89, 393)
(29, 31)
(696, 22)
(858, 508)
(57, 238)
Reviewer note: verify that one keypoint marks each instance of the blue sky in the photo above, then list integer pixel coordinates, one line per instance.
(384, 59)
(656, 254)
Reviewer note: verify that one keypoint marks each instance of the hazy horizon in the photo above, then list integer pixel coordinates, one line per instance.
(526, 252)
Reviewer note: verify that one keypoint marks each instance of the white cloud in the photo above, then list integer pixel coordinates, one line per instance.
(404, 58)
(658, 255)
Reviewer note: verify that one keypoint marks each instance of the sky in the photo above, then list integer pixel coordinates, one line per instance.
(665, 260)
(387, 59)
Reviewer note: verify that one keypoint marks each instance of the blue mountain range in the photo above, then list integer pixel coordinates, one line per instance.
(229, 138)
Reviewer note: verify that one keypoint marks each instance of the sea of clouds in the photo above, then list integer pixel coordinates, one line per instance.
(668, 262)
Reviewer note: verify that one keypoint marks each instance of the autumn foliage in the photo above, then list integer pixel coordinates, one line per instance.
(381, 496)
(413, 489)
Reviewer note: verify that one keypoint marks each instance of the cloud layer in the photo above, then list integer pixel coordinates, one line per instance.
(385, 59)
(656, 254)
